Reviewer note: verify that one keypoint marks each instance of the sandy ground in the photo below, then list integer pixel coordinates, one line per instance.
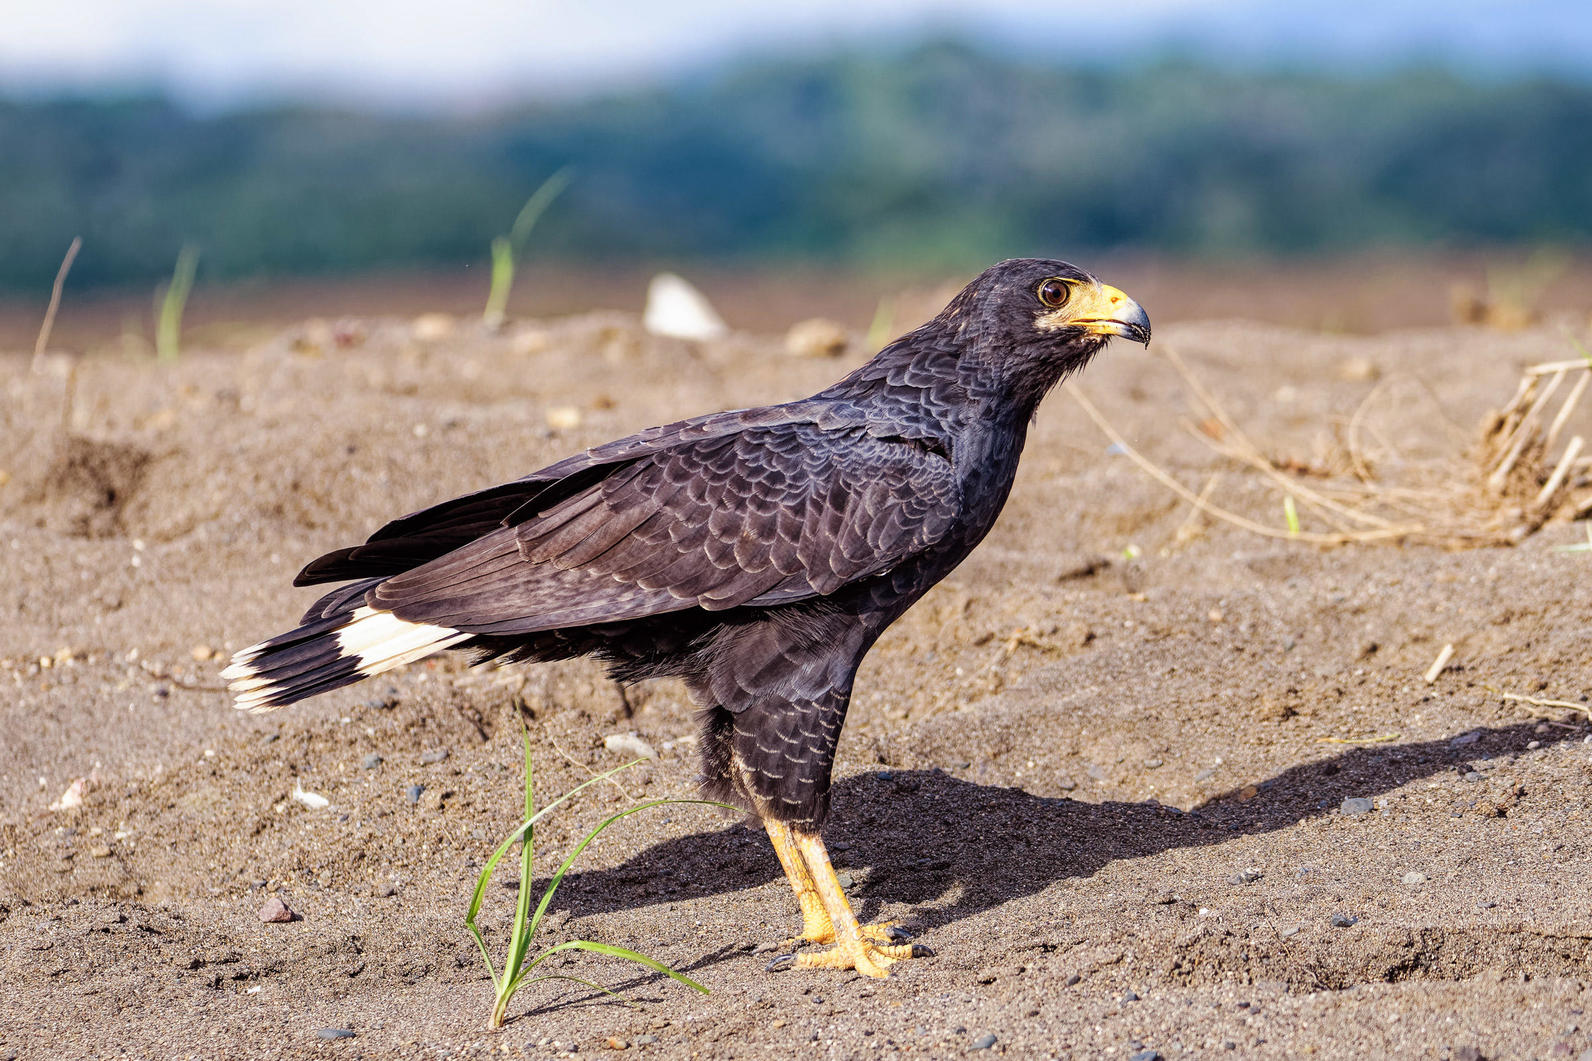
(1107, 791)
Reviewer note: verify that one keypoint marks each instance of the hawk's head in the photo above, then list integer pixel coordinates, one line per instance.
(1025, 323)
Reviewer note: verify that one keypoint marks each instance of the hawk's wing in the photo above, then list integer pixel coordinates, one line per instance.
(765, 515)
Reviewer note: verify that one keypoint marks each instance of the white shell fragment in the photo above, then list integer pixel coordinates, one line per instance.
(678, 310)
(73, 796)
(312, 800)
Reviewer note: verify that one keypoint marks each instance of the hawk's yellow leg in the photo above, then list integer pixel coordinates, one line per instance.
(854, 947)
(816, 924)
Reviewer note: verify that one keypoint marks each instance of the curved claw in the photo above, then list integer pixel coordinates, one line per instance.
(781, 963)
(897, 934)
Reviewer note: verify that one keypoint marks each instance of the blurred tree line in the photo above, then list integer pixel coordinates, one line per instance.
(941, 153)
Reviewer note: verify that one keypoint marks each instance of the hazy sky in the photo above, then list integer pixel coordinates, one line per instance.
(454, 52)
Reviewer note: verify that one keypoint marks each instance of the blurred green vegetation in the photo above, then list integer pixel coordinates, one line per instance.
(940, 153)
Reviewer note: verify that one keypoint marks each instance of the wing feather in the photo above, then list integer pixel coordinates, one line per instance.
(768, 515)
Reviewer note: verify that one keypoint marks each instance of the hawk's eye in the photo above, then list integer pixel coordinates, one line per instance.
(1053, 292)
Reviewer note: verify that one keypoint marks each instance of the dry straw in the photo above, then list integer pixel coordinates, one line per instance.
(1519, 475)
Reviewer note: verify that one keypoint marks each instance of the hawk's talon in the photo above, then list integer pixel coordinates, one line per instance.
(781, 963)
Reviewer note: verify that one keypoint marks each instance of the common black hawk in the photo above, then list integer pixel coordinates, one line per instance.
(755, 554)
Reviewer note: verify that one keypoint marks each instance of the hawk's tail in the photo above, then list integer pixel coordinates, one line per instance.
(329, 653)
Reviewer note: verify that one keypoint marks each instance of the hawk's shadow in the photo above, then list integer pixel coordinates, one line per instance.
(924, 835)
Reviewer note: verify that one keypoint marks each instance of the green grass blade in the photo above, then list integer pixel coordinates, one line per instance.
(619, 952)
(520, 936)
(563, 867)
(881, 326)
(535, 206)
(168, 325)
(497, 299)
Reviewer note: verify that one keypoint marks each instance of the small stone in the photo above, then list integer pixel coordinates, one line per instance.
(1465, 1053)
(1291, 931)
(99, 851)
(201, 653)
(845, 879)
(1474, 776)
(1205, 774)
(1414, 877)
(816, 337)
(1246, 876)
(1533, 745)
(1146, 1055)
(646, 1040)
(1465, 738)
(1343, 921)
(629, 744)
(1072, 981)
(1247, 793)
(1356, 805)
(435, 755)
(1358, 370)
(564, 418)
(613, 1042)
(414, 792)
(1066, 784)
(983, 1042)
(429, 327)
(275, 911)
(1153, 764)
(1130, 996)
(312, 800)
(334, 1033)
(371, 761)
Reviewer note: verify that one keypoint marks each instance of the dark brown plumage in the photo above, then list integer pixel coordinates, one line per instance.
(755, 554)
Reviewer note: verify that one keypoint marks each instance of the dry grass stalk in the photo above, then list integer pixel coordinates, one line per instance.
(1438, 665)
(55, 303)
(1499, 493)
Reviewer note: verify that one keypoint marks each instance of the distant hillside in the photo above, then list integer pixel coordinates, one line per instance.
(941, 153)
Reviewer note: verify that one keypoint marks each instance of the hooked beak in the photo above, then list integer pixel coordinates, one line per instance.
(1110, 312)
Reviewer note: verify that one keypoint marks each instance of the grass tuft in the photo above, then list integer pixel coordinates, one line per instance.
(505, 248)
(168, 316)
(519, 969)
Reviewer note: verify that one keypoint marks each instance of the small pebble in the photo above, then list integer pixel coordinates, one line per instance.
(275, 911)
(1466, 1053)
(845, 879)
(1465, 738)
(983, 1042)
(1291, 931)
(335, 1033)
(1343, 920)
(564, 418)
(644, 1040)
(1146, 1055)
(371, 761)
(435, 755)
(629, 744)
(414, 792)
(1532, 746)
(1129, 996)
(1414, 877)
(1072, 981)
(613, 1042)
(1473, 777)
(1153, 764)
(1356, 805)
(1246, 876)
